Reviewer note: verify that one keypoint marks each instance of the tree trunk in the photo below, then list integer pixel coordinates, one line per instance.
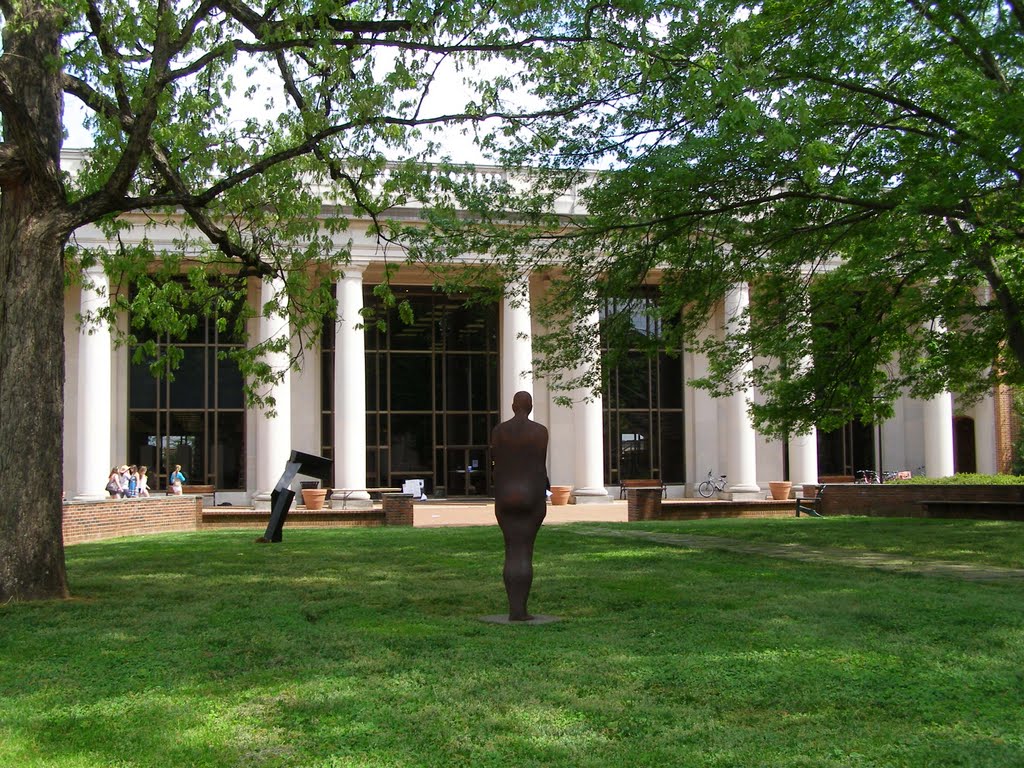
(33, 229)
(31, 410)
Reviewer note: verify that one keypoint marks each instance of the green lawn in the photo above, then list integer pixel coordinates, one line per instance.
(986, 542)
(363, 648)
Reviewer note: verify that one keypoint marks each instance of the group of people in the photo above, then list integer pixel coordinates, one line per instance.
(130, 481)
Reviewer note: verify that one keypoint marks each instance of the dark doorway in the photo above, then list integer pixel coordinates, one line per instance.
(965, 458)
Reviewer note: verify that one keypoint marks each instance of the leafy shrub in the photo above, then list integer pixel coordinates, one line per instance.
(964, 479)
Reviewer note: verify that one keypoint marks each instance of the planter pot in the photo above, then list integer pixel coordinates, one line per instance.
(560, 494)
(313, 498)
(780, 489)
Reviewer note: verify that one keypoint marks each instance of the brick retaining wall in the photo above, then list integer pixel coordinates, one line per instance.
(1006, 502)
(886, 500)
(243, 517)
(110, 518)
(645, 504)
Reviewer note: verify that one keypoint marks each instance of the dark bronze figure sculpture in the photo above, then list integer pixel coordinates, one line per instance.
(519, 450)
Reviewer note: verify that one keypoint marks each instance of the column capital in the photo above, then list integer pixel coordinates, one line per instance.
(353, 270)
(94, 270)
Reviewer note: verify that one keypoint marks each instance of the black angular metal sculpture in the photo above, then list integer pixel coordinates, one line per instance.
(519, 450)
(282, 496)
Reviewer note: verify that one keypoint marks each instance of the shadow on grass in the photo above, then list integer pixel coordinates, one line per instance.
(348, 647)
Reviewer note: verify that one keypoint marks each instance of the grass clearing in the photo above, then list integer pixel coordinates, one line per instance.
(985, 542)
(363, 648)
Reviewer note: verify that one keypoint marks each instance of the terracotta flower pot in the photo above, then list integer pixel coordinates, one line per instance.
(313, 498)
(560, 494)
(780, 489)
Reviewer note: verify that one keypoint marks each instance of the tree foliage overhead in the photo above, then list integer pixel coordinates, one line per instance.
(858, 163)
(241, 120)
(246, 118)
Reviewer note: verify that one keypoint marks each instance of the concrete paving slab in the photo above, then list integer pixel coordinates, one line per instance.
(433, 514)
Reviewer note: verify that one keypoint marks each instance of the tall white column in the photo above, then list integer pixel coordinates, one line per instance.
(92, 414)
(273, 432)
(740, 439)
(803, 449)
(985, 435)
(516, 344)
(588, 426)
(803, 458)
(938, 435)
(350, 394)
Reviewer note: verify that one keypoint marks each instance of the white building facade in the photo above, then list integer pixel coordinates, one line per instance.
(418, 402)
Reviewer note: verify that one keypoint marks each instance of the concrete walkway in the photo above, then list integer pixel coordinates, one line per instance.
(434, 514)
(821, 555)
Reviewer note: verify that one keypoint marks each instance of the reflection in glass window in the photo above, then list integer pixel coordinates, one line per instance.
(643, 405)
(431, 393)
(198, 419)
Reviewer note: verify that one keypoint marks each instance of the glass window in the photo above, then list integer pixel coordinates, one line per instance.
(670, 384)
(457, 382)
(198, 419)
(411, 442)
(143, 437)
(429, 385)
(229, 450)
(230, 383)
(141, 386)
(458, 430)
(643, 405)
(411, 379)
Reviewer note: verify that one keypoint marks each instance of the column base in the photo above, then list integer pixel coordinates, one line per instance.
(590, 496)
(743, 492)
(261, 501)
(343, 498)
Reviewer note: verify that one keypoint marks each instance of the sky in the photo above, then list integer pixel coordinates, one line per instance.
(449, 92)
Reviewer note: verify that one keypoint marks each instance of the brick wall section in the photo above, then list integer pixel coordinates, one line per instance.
(397, 509)
(903, 500)
(110, 518)
(846, 499)
(644, 504)
(720, 510)
(1007, 428)
(243, 517)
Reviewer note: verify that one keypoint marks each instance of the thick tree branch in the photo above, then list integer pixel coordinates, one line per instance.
(13, 168)
(981, 257)
(972, 49)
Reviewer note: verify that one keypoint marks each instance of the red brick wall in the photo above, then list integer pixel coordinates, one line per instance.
(648, 505)
(902, 500)
(1007, 428)
(107, 519)
(243, 517)
(398, 509)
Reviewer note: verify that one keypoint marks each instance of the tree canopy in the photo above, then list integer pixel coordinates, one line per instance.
(244, 121)
(858, 163)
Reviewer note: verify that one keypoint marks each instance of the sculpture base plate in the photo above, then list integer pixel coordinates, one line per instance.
(502, 618)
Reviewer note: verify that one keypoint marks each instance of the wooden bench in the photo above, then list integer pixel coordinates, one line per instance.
(648, 484)
(826, 479)
(809, 506)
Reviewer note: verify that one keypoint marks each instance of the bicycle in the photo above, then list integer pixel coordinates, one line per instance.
(708, 487)
(871, 477)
